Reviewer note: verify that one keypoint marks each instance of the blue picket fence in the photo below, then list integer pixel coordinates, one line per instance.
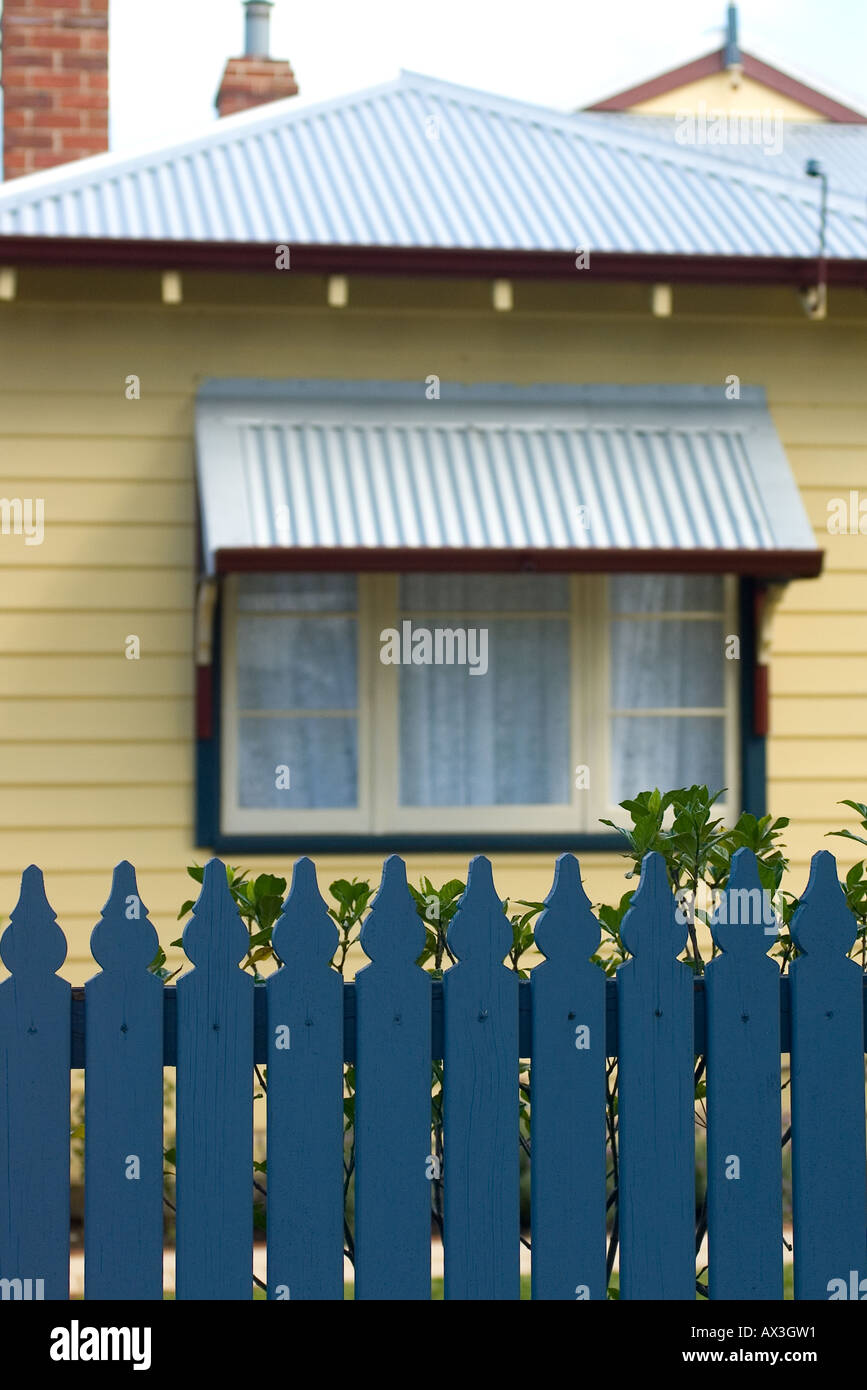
(305, 1023)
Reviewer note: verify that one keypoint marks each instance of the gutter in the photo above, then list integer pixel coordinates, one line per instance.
(259, 258)
(781, 565)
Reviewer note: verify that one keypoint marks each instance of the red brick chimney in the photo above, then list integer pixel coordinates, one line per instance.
(55, 82)
(255, 78)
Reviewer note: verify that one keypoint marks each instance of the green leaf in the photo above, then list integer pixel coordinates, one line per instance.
(848, 835)
(269, 886)
(451, 890)
(158, 961)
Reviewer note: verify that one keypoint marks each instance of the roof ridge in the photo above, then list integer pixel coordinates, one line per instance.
(258, 117)
(354, 169)
(290, 111)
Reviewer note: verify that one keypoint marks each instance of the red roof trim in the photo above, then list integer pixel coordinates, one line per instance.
(665, 82)
(789, 564)
(258, 258)
(772, 77)
(798, 91)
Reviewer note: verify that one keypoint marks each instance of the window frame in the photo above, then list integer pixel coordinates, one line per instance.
(378, 822)
(729, 806)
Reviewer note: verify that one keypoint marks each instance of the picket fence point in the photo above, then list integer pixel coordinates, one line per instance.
(124, 942)
(215, 932)
(33, 944)
(304, 933)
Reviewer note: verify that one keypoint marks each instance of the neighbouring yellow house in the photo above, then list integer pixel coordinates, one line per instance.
(425, 471)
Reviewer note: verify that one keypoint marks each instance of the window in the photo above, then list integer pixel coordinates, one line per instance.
(461, 703)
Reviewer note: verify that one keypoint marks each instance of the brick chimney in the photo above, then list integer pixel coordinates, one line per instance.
(55, 82)
(256, 78)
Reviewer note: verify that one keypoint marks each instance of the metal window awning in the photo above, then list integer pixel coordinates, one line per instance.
(373, 475)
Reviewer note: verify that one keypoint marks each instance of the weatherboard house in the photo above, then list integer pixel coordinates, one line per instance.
(422, 359)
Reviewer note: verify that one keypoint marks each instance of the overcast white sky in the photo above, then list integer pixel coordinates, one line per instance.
(167, 55)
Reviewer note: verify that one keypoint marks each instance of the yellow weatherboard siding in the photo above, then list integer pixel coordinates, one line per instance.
(717, 92)
(97, 752)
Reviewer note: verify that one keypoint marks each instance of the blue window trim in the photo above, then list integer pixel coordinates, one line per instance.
(753, 767)
(754, 759)
(208, 749)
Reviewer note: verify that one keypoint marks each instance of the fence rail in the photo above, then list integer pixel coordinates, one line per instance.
(304, 1023)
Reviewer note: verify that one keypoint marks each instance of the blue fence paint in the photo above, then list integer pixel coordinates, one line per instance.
(828, 1198)
(744, 1170)
(34, 1096)
(480, 1081)
(394, 1161)
(214, 1241)
(305, 1101)
(656, 1097)
(123, 1137)
(568, 1097)
(480, 1019)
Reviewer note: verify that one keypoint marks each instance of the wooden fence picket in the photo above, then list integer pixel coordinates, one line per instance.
(744, 1154)
(656, 1097)
(393, 1161)
(123, 1137)
(305, 1100)
(305, 1022)
(35, 1059)
(828, 1127)
(481, 1175)
(214, 1243)
(568, 1097)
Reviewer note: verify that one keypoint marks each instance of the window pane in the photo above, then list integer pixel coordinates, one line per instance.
(665, 593)
(297, 663)
(667, 665)
(465, 593)
(321, 755)
(665, 752)
(501, 738)
(297, 593)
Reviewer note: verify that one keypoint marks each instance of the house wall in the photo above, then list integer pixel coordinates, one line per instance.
(96, 751)
(716, 93)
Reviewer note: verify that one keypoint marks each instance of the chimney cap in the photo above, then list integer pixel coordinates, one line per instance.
(257, 27)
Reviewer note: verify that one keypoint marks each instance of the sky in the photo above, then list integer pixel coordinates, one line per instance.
(167, 56)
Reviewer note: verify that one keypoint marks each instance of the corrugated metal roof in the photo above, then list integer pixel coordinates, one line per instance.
(422, 163)
(377, 465)
(841, 149)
